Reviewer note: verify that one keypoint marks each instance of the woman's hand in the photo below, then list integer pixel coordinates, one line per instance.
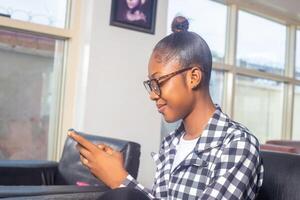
(104, 162)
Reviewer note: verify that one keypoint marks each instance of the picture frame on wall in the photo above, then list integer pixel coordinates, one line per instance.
(138, 15)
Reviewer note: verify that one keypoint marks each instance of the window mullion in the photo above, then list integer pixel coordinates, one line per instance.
(287, 117)
(229, 59)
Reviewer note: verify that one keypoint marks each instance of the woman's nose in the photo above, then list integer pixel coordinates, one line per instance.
(153, 96)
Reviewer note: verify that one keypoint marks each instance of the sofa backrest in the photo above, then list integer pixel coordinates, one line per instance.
(281, 176)
(291, 143)
(278, 148)
(71, 171)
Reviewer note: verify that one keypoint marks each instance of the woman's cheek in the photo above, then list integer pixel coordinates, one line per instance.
(174, 99)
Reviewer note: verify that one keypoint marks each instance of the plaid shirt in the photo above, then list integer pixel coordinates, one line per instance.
(225, 164)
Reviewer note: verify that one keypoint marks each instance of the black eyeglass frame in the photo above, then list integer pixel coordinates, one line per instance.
(158, 81)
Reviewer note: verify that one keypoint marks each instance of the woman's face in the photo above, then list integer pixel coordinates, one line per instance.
(132, 3)
(175, 101)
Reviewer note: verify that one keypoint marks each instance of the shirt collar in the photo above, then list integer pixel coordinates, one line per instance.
(213, 134)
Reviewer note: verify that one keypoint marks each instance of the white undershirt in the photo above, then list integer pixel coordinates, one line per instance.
(183, 148)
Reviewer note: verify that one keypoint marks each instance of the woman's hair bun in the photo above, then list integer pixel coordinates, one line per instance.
(180, 24)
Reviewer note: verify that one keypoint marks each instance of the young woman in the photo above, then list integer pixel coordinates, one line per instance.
(209, 156)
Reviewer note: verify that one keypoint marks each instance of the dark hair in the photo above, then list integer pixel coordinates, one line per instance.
(188, 47)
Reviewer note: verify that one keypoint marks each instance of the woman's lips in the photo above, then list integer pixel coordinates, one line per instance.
(161, 108)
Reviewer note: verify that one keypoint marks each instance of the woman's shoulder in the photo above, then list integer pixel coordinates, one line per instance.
(238, 132)
(235, 131)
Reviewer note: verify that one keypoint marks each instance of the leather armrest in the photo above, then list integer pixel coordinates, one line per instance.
(27, 172)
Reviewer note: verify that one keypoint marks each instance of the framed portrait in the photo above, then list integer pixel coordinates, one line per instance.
(136, 15)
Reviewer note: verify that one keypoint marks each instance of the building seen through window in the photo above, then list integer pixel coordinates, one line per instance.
(30, 65)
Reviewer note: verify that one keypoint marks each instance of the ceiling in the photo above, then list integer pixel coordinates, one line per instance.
(290, 8)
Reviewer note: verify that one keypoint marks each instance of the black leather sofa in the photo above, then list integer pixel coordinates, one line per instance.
(281, 176)
(60, 180)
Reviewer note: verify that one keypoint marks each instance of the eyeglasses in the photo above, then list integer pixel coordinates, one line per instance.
(154, 84)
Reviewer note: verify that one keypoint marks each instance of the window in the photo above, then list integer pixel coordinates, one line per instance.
(30, 68)
(296, 124)
(46, 12)
(297, 71)
(217, 86)
(203, 16)
(259, 106)
(260, 44)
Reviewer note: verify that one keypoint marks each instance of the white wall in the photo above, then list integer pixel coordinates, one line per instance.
(111, 99)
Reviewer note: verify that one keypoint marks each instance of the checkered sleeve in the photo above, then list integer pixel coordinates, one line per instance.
(131, 182)
(237, 173)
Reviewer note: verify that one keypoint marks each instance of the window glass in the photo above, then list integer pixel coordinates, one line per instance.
(46, 12)
(296, 120)
(260, 44)
(29, 78)
(259, 106)
(297, 75)
(216, 86)
(206, 18)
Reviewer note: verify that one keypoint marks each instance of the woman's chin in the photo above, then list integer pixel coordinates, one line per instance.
(170, 119)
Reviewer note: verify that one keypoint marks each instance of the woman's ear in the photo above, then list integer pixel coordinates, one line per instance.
(195, 77)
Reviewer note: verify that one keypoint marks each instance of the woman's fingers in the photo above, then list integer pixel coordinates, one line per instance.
(109, 150)
(84, 152)
(85, 161)
(106, 148)
(89, 145)
(82, 141)
(101, 146)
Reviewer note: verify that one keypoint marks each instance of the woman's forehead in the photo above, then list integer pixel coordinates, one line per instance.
(159, 65)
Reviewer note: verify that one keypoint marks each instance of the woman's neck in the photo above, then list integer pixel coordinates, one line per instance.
(196, 121)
